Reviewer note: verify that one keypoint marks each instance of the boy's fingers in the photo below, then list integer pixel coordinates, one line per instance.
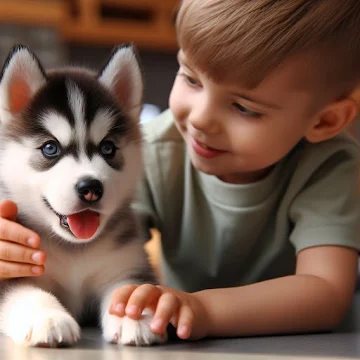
(168, 306)
(21, 254)
(185, 322)
(14, 232)
(8, 210)
(143, 296)
(120, 298)
(11, 270)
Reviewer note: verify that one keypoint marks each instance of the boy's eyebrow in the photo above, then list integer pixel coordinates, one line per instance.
(260, 102)
(181, 59)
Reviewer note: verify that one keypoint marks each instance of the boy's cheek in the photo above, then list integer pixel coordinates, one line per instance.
(175, 105)
(173, 97)
(178, 95)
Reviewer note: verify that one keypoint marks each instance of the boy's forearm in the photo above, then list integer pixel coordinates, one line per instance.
(291, 304)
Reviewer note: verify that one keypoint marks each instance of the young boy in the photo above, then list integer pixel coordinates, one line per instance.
(249, 176)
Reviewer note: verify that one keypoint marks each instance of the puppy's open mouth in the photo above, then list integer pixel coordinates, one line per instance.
(83, 225)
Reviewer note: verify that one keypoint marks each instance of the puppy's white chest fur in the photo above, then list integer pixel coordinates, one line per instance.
(83, 274)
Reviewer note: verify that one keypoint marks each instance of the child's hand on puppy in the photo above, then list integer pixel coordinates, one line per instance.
(183, 310)
(19, 246)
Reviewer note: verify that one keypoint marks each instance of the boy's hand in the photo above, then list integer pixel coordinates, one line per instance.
(183, 310)
(19, 253)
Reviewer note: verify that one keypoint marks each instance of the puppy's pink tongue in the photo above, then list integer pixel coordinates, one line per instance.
(84, 224)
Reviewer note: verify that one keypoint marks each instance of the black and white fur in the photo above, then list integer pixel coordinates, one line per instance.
(70, 143)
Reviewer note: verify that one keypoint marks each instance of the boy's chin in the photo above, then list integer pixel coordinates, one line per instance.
(212, 167)
(201, 166)
(215, 167)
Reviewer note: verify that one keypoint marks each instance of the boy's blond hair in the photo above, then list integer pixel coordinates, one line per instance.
(246, 39)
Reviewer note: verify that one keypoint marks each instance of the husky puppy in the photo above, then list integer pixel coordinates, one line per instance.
(70, 158)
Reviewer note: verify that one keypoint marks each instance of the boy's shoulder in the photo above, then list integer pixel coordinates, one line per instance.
(322, 195)
(161, 129)
(343, 143)
(338, 157)
(163, 146)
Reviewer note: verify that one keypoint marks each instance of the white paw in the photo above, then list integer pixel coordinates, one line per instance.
(47, 327)
(138, 332)
(126, 331)
(111, 328)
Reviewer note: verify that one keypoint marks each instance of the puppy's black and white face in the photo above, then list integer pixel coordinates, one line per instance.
(71, 147)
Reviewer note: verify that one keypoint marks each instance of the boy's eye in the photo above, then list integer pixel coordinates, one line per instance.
(243, 110)
(191, 81)
(51, 149)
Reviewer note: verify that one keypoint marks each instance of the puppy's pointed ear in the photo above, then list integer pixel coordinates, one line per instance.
(21, 77)
(123, 77)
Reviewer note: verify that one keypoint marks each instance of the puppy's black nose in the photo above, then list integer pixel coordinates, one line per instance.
(89, 190)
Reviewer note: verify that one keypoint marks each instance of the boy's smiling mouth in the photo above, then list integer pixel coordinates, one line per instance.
(204, 150)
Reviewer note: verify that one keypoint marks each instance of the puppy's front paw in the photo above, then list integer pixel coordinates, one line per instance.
(138, 332)
(47, 327)
(126, 331)
(112, 328)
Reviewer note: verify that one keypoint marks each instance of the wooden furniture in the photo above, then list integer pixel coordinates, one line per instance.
(33, 12)
(148, 23)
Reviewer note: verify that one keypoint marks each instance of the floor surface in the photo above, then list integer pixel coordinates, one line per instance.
(342, 344)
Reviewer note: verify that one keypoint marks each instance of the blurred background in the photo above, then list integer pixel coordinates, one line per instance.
(83, 32)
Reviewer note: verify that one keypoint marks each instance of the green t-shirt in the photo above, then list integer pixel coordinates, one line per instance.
(216, 234)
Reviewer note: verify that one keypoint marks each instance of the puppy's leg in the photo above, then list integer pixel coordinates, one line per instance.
(126, 331)
(32, 317)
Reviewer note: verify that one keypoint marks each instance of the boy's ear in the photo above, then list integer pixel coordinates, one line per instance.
(21, 77)
(123, 77)
(332, 120)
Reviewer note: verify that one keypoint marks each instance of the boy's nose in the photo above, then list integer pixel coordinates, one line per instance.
(204, 118)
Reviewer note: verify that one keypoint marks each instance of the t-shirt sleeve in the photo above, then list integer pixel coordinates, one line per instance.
(163, 164)
(326, 209)
(144, 210)
(144, 202)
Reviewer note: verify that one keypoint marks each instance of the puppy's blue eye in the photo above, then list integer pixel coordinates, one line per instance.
(107, 149)
(51, 149)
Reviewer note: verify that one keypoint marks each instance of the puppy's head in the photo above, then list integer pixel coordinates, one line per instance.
(70, 141)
